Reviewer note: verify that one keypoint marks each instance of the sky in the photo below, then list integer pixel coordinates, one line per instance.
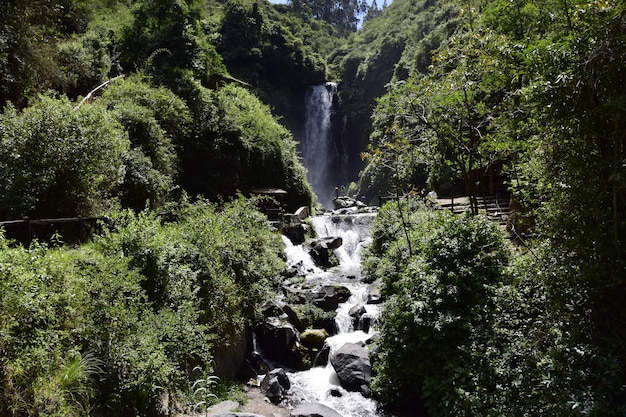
(369, 1)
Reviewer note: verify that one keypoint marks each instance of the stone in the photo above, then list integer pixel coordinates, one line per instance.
(231, 414)
(321, 359)
(352, 365)
(296, 233)
(335, 392)
(313, 410)
(276, 338)
(313, 338)
(322, 249)
(271, 309)
(365, 322)
(255, 365)
(355, 313)
(329, 297)
(294, 295)
(301, 317)
(275, 384)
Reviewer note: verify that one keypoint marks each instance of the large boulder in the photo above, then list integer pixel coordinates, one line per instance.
(322, 249)
(271, 309)
(253, 366)
(313, 338)
(302, 316)
(275, 384)
(329, 297)
(313, 410)
(352, 365)
(295, 294)
(355, 313)
(232, 414)
(276, 338)
(296, 233)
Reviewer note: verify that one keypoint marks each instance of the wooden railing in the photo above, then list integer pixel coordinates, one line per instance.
(67, 229)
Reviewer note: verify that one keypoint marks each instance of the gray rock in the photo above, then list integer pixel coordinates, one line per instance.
(275, 384)
(352, 365)
(321, 359)
(313, 410)
(276, 338)
(322, 249)
(355, 313)
(224, 407)
(237, 415)
(365, 322)
(329, 296)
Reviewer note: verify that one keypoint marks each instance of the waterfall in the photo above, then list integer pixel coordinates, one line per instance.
(321, 146)
(320, 384)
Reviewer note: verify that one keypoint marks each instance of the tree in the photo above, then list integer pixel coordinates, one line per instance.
(447, 116)
(580, 171)
(342, 14)
(29, 31)
(156, 121)
(166, 38)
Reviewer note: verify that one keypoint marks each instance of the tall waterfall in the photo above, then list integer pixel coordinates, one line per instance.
(322, 145)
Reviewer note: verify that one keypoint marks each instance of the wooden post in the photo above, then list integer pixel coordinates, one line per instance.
(26, 237)
(81, 230)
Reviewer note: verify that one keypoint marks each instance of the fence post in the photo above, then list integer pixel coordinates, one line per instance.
(81, 230)
(26, 238)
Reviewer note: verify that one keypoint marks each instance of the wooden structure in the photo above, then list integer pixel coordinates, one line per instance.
(274, 205)
(70, 229)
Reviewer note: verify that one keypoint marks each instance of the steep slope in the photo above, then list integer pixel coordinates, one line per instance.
(387, 49)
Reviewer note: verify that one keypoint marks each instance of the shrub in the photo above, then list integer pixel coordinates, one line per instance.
(156, 120)
(118, 326)
(437, 323)
(57, 161)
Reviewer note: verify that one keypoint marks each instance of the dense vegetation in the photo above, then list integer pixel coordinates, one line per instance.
(473, 326)
(118, 326)
(532, 88)
(442, 92)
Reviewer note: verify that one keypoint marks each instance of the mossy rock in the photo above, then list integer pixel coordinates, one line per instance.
(313, 338)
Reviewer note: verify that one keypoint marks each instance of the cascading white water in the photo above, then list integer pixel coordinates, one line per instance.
(316, 384)
(317, 146)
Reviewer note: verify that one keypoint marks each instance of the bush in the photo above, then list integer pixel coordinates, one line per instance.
(237, 145)
(437, 323)
(57, 161)
(156, 121)
(119, 325)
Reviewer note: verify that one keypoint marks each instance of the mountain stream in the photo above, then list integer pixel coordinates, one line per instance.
(321, 384)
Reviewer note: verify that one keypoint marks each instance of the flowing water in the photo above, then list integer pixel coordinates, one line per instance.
(323, 145)
(321, 384)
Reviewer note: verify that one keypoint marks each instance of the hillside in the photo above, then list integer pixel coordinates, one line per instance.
(164, 115)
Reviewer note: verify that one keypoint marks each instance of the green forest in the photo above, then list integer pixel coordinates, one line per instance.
(162, 116)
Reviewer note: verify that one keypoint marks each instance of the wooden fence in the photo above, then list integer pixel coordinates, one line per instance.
(67, 230)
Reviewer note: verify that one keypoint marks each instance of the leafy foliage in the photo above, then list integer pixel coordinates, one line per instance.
(121, 324)
(156, 120)
(441, 307)
(57, 161)
(166, 37)
(237, 145)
